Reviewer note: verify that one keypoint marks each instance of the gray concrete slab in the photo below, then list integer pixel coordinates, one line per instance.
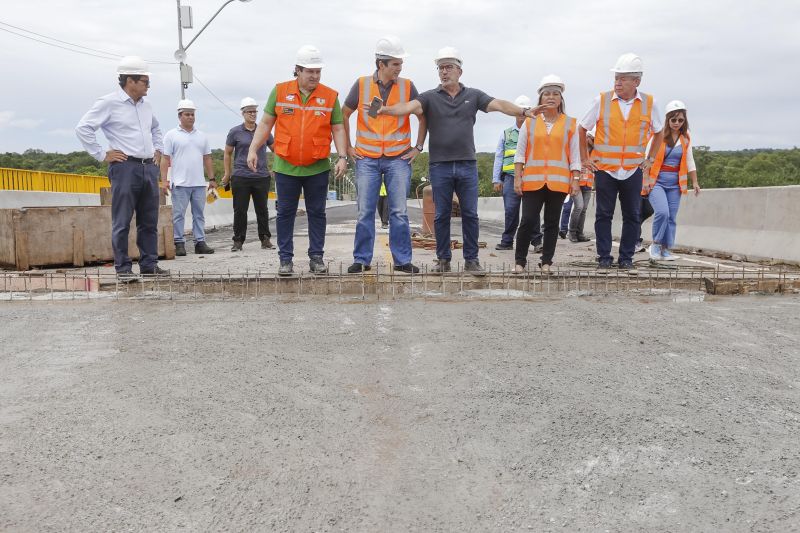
(285, 414)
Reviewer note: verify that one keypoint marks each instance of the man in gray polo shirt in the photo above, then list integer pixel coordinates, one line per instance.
(450, 111)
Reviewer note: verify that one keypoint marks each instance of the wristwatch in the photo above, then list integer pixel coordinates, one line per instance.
(419, 147)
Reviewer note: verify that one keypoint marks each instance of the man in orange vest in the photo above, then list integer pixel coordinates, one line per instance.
(383, 154)
(624, 119)
(305, 114)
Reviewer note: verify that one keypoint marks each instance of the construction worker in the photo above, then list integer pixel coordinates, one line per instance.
(305, 114)
(450, 110)
(383, 154)
(186, 153)
(546, 169)
(577, 218)
(135, 145)
(668, 181)
(503, 181)
(624, 119)
(383, 206)
(245, 183)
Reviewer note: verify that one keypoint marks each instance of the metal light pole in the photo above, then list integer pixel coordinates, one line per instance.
(180, 53)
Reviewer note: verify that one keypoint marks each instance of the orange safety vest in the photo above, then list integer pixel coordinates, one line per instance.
(547, 156)
(683, 168)
(619, 142)
(384, 134)
(303, 130)
(587, 176)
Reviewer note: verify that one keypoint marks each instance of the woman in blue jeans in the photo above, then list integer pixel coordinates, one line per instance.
(668, 180)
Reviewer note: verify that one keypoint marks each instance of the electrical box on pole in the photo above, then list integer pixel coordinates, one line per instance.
(186, 17)
(186, 74)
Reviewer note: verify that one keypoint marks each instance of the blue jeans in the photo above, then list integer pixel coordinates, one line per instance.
(460, 177)
(134, 188)
(511, 203)
(630, 199)
(315, 191)
(579, 207)
(665, 202)
(566, 210)
(181, 198)
(396, 173)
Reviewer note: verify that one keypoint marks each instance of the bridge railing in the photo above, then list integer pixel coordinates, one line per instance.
(14, 179)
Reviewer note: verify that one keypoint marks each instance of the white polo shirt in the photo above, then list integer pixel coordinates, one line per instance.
(591, 117)
(186, 150)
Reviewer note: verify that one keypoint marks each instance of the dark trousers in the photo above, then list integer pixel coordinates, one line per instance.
(630, 199)
(645, 212)
(532, 202)
(511, 201)
(243, 189)
(383, 209)
(134, 189)
(315, 191)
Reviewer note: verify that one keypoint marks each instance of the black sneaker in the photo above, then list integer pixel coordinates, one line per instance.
(573, 238)
(604, 265)
(502, 246)
(156, 272)
(583, 238)
(408, 268)
(316, 265)
(562, 234)
(237, 246)
(286, 268)
(202, 248)
(356, 268)
(180, 249)
(266, 244)
(627, 266)
(538, 248)
(442, 267)
(474, 267)
(127, 277)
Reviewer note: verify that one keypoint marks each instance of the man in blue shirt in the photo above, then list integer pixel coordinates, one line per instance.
(503, 180)
(135, 146)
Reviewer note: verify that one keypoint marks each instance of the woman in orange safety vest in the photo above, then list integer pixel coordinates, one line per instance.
(668, 180)
(546, 168)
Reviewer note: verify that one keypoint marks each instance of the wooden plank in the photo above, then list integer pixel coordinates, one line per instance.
(168, 239)
(77, 247)
(21, 247)
(105, 195)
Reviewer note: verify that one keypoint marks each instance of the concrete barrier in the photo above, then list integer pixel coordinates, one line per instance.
(17, 199)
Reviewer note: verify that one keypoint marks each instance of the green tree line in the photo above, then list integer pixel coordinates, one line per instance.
(715, 169)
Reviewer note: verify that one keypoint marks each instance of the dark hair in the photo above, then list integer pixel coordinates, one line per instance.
(561, 106)
(123, 79)
(297, 68)
(684, 131)
(379, 61)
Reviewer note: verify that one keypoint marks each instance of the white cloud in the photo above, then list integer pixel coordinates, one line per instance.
(8, 120)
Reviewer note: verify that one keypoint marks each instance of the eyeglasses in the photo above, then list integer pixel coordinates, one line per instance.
(253, 112)
(145, 81)
(446, 68)
(677, 120)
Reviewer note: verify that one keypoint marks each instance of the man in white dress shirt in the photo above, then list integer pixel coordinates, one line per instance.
(135, 145)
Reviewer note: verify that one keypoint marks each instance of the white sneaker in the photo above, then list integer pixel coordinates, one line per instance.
(655, 252)
(667, 256)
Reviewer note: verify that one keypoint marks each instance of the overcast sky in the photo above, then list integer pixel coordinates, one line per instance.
(734, 63)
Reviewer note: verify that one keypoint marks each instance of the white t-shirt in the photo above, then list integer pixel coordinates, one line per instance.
(186, 150)
(589, 121)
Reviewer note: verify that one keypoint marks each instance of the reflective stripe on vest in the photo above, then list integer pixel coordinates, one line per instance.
(620, 142)
(303, 131)
(510, 139)
(683, 167)
(384, 134)
(547, 155)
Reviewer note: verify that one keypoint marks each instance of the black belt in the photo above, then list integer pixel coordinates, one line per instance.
(148, 161)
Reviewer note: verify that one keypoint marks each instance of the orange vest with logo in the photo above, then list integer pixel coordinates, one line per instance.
(303, 130)
(682, 169)
(620, 143)
(547, 156)
(384, 134)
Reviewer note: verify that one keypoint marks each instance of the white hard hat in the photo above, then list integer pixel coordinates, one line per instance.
(674, 106)
(389, 47)
(133, 65)
(247, 102)
(448, 54)
(553, 81)
(186, 104)
(629, 62)
(523, 101)
(309, 56)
